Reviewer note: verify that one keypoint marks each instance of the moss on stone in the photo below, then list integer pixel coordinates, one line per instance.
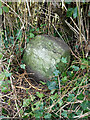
(43, 53)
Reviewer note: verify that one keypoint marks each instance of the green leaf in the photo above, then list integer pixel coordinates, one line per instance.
(89, 13)
(53, 97)
(40, 95)
(52, 85)
(27, 40)
(56, 72)
(69, 12)
(26, 102)
(0, 11)
(52, 91)
(84, 64)
(42, 82)
(76, 68)
(21, 49)
(64, 113)
(2, 76)
(64, 79)
(71, 97)
(2, 117)
(83, 1)
(0, 4)
(68, 1)
(23, 66)
(32, 30)
(37, 29)
(5, 83)
(80, 97)
(5, 89)
(85, 105)
(31, 35)
(8, 74)
(75, 12)
(64, 60)
(60, 102)
(37, 104)
(1, 55)
(76, 46)
(47, 116)
(6, 9)
(83, 67)
(78, 112)
(38, 114)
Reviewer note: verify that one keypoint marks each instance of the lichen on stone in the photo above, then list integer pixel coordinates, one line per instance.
(43, 53)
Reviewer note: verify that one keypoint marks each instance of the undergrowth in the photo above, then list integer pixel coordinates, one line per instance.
(66, 96)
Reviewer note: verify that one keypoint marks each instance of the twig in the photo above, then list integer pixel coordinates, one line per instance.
(32, 85)
(74, 54)
(81, 116)
(28, 8)
(13, 11)
(13, 88)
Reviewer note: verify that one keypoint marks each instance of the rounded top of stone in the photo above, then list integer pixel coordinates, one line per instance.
(56, 39)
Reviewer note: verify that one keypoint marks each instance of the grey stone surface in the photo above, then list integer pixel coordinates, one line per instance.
(42, 55)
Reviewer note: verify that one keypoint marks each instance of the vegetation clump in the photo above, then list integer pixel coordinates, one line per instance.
(66, 96)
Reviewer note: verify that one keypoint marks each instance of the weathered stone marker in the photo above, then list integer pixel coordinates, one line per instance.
(42, 55)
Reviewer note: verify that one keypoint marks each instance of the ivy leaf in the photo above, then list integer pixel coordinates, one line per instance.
(64, 113)
(23, 66)
(69, 12)
(26, 102)
(4, 83)
(32, 30)
(37, 104)
(89, 13)
(83, 1)
(75, 12)
(52, 85)
(64, 79)
(76, 68)
(80, 97)
(64, 60)
(70, 98)
(84, 64)
(85, 105)
(37, 29)
(31, 35)
(1, 55)
(38, 114)
(56, 72)
(83, 67)
(2, 116)
(78, 112)
(27, 40)
(53, 97)
(60, 103)
(8, 74)
(68, 2)
(5, 89)
(0, 11)
(47, 116)
(6, 9)
(40, 95)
